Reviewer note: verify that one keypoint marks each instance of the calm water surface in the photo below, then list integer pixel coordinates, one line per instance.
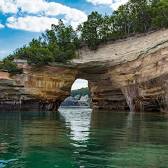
(80, 138)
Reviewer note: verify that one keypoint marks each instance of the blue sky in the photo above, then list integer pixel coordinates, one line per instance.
(79, 83)
(22, 20)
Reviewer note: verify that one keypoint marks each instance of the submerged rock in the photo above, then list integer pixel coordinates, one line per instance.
(70, 101)
(4, 163)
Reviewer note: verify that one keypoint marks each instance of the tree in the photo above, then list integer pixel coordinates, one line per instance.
(67, 42)
(59, 44)
(56, 45)
(90, 30)
(160, 14)
(10, 66)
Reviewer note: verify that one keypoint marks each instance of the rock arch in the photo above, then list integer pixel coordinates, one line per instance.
(127, 73)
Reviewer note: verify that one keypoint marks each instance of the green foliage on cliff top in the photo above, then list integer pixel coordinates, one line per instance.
(80, 92)
(56, 45)
(9, 66)
(136, 16)
(61, 42)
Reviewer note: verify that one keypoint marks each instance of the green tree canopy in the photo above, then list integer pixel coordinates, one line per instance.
(59, 44)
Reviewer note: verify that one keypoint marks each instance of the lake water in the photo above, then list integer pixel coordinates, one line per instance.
(80, 138)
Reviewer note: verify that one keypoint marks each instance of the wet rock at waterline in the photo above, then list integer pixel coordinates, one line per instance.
(131, 74)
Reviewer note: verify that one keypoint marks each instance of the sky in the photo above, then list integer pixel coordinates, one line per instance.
(79, 83)
(22, 20)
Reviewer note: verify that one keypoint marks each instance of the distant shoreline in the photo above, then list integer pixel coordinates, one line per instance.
(61, 107)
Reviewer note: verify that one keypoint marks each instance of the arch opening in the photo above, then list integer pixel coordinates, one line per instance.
(79, 95)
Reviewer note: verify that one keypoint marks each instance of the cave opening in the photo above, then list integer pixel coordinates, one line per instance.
(79, 96)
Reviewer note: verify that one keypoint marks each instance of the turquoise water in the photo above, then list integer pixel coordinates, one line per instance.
(80, 138)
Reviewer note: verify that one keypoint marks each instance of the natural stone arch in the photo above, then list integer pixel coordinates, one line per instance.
(132, 71)
(74, 100)
(104, 95)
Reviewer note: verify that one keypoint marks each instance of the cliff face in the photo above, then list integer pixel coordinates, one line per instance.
(45, 86)
(131, 74)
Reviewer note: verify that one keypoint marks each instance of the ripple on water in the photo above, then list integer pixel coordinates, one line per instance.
(79, 138)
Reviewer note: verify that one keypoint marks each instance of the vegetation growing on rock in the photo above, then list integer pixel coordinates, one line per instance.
(61, 42)
(10, 66)
(81, 92)
(56, 45)
(136, 16)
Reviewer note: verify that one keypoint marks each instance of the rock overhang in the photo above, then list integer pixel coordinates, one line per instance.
(126, 73)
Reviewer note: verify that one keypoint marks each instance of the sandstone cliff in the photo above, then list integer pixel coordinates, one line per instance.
(46, 87)
(126, 74)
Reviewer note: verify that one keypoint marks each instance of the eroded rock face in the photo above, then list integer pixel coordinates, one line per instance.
(143, 81)
(131, 74)
(135, 76)
(45, 86)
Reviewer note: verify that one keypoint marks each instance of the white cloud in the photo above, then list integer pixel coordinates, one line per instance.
(1, 26)
(71, 15)
(118, 3)
(39, 8)
(74, 17)
(31, 23)
(32, 6)
(8, 6)
(29, 6)
(79, 83)
(100, 2)
(114, 4)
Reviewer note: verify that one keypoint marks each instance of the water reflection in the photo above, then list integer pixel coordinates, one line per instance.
(81, 138)
(131, 140)
(79, 123)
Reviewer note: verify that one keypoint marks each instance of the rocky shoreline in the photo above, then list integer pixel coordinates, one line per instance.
(130, 74)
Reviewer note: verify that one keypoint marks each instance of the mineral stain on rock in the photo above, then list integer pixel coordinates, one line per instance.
(124, 75)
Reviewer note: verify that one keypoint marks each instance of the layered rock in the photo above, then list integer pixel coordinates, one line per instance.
(46, 87)
(135, 73)
(127, 74)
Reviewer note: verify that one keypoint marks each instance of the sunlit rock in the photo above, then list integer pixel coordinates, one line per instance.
(130, 74)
